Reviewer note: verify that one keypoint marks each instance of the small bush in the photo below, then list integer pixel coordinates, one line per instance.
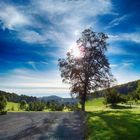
(12, 108)
(36, 106)
(3, 112)
(72, 107)
(22, 105)
(56, 106)
(3, 103)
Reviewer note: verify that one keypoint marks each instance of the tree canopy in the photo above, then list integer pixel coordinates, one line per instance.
(86, 67)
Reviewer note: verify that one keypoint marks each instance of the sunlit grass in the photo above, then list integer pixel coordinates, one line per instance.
(12, 107)
(95, 104)
(120, 123)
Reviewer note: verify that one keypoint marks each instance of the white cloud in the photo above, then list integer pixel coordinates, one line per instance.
(75, 7)
(123, 71)
(124, 76)
(11, 17)
(134, 37)
(113, 65)
(116, 50)
(30, 36)
(31, 78)
(117, 21)
(66, 17)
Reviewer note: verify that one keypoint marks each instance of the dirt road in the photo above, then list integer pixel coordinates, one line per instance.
(42, 126)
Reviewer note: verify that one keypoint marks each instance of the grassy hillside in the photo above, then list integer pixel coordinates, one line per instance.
(117, 124)
(12, 97)
(11, 106)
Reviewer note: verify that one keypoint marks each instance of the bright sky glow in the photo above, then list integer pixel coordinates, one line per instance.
(76, 52)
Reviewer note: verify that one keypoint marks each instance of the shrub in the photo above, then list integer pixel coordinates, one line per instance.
(3, 103)
(22, 104)
(56, 106)
(12, 108)
(36, 106)
(113, 97)
(72, 107)
(3, 112)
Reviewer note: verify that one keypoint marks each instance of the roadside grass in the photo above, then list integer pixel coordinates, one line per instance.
(95, 104)
(120, 123)
(12, 107)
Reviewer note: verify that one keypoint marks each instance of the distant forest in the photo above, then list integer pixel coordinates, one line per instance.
(12, 97)
(124, 89)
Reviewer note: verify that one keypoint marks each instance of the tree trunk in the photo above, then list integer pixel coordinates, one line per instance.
(83, 100)
(83, 105)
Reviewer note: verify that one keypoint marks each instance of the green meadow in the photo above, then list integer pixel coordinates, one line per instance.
(121, 123)
(12, 107)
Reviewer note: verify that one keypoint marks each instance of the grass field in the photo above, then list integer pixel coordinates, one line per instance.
(11, 106)
(112, 124)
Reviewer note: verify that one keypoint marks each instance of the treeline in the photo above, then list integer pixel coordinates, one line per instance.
(51, 105)
(113, 96)
(124, 89)
(12, 97)
(29, 103)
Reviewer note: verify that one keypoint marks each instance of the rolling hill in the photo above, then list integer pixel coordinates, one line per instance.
(125, 89)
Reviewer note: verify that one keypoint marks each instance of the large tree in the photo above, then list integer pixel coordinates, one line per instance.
(86, 67)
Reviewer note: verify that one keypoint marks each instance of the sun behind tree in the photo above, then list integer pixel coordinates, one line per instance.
(86, 67)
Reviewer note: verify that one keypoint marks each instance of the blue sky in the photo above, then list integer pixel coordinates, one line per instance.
(35, 33)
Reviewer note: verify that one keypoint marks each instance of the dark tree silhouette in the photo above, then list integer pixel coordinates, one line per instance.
(22, 104)
(86, 67)
(3, 103)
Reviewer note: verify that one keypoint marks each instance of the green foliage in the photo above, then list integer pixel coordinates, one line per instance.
(12, 108)
(36, 106)
(113, 97)
(12, 97)
(3, 103)
(4, 112)
(22, 105)
(56, 106)
(72, 107)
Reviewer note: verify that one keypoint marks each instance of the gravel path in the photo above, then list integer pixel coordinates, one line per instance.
(42, 126)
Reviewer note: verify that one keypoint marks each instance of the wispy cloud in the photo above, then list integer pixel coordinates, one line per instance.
(11, 17)
(67, 16)
(134, 37)
(117, 50)
(117, 21)
(32, 37)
